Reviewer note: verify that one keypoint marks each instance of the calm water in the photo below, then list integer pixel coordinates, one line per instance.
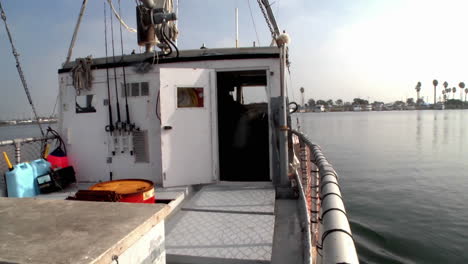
(404, 177)
(22, 131)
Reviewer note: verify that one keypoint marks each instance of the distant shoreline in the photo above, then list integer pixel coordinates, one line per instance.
(2, 124)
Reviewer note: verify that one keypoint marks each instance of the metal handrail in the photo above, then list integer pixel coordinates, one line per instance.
(334, 241)
(17, 143)
(24, 140)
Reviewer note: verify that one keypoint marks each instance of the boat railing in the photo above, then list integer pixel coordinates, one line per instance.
(328, 232)
(19, 150)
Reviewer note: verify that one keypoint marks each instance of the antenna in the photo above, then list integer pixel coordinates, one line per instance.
(237, 27)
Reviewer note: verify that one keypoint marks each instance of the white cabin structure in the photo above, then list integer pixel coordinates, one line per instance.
(178, 142)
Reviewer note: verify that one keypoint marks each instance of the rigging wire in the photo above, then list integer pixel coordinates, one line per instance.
(75, 33)
(18, 67)
(55, 105)
(120, 18)
(278, 9)
(253, 22)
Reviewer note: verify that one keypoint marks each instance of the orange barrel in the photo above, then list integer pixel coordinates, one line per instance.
(131, 190)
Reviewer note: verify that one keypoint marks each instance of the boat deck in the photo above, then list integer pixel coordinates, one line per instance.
(226, 222)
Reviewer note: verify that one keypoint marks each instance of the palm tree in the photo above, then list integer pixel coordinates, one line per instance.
(461, 85)
(435, 83)
(466, 92)
(445, 86)
(453, 91)
(443, 95)
(418, 89)
(302, 96)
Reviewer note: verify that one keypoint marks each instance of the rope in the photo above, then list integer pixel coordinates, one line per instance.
(253, 22)
(75, 33)
(119, 18)
(18, 67)
(81, 73)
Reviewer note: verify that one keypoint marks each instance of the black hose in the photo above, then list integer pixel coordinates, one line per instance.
(58, 138)
(295, 108)
(164, 40)
(157, 104)
(169, 40)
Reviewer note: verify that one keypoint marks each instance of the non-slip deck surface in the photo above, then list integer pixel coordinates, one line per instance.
(256, 198)
(225, 221)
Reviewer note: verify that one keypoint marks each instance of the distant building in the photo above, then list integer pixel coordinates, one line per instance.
(319, 108)
(378, 107)
(367, 107)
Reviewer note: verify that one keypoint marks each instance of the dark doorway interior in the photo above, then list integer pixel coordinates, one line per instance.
(243, 126)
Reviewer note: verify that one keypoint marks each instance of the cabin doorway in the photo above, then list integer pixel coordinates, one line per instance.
(243, 135)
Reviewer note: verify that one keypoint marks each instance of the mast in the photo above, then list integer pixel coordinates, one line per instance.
(270, 16)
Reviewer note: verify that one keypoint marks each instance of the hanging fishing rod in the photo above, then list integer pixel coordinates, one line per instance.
(110, 127)
(128, 125)
(18, 67)
(118, 124)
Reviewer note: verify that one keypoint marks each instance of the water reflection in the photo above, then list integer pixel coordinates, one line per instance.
(434, 132)
(396, 163)
(419, 129)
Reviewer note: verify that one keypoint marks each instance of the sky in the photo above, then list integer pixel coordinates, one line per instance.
(340, 49)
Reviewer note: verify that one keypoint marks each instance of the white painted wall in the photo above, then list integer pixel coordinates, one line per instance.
(85, 135)
(150, 248)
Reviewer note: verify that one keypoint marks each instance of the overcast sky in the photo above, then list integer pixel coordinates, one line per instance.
(373, 49)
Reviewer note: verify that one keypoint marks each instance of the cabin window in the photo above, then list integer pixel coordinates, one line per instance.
(190, 97)
(136, 89)
(144, 89)
(85, 104)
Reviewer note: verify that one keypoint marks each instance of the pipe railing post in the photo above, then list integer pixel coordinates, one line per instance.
(17, 152)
